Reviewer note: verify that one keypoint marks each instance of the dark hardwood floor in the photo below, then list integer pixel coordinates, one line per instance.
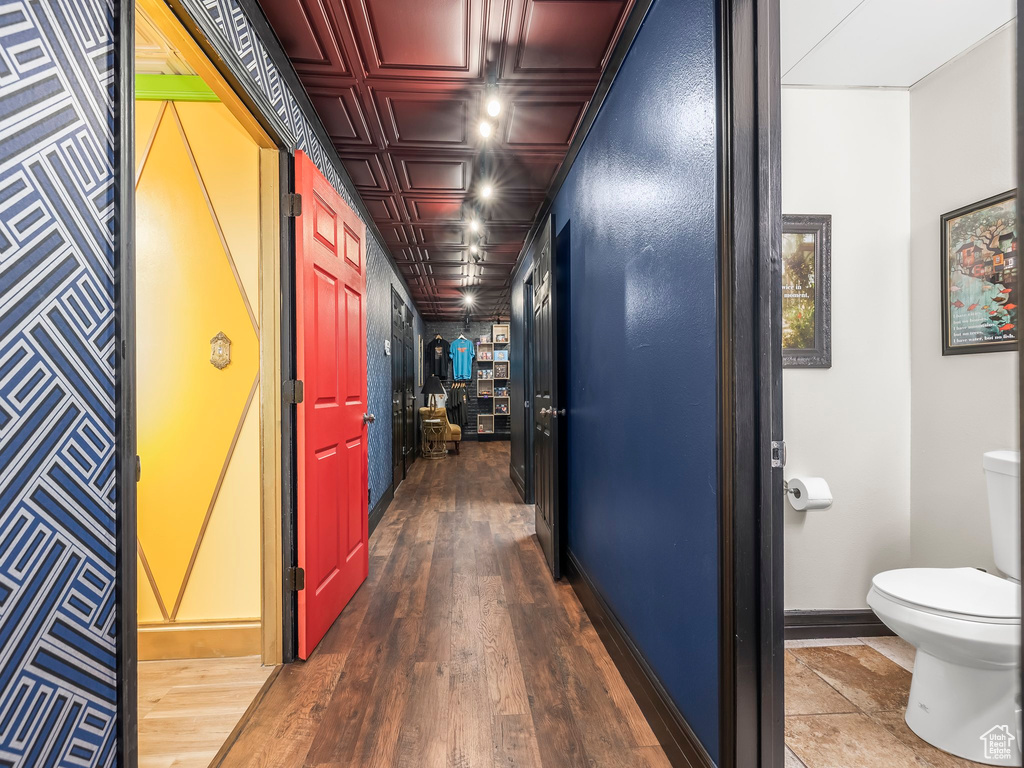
(459, 650)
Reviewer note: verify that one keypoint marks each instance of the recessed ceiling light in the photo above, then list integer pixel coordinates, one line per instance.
(467, 299)
(473, 249)
(474, 225)
(486, 190)
(485, 128)
(493, 106)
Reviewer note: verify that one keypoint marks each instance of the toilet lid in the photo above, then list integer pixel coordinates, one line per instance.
(959, 591)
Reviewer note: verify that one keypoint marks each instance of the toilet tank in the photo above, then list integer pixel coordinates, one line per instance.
(1002, 473)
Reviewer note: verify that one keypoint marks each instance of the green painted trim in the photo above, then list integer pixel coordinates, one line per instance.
(172, 88)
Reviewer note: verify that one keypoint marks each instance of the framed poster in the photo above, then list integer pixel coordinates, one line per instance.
(979, 277)
(806, 291)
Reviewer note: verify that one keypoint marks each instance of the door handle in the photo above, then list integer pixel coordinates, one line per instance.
(546, 411)
(556, 413)
(138, 468)
(369, 418)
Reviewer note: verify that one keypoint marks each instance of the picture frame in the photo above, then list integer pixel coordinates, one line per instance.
(807, 291)
(980, 269)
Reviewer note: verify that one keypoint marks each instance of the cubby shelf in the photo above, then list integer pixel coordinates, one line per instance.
(500, 405)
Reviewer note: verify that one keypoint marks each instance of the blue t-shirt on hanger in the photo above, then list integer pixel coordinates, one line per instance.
(462, 353)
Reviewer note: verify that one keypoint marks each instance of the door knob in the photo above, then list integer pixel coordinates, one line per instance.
(556, 413)
(546, 411)
(369, 418)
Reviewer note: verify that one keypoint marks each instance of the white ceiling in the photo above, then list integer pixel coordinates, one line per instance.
(894, 43)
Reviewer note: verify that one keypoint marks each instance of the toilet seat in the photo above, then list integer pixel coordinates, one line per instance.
(957, 593)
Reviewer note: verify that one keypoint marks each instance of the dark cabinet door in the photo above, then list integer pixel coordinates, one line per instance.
(547, 416)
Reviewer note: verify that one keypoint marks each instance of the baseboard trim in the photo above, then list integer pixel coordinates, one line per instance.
(517, 481)
(229, 742)
(814, 625)
(681, 745)
(380, 508)
(200, 640)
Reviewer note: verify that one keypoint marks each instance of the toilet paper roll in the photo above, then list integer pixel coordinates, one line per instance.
(809, 493)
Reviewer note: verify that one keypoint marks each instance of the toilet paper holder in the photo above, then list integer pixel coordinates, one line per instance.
(808, 493)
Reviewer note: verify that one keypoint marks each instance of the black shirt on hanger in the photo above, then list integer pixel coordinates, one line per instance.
(437, 359)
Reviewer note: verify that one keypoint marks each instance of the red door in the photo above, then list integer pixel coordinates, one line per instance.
(330, 285)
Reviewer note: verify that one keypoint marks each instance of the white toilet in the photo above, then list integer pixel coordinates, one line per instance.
(965, 624)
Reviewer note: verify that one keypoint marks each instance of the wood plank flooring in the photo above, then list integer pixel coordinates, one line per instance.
(459, 650)
(188, 707)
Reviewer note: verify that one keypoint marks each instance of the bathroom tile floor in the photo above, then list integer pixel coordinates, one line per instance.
(845, 701)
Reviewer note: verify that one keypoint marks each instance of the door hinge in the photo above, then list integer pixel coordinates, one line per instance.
(291, 390)
(778, 453)
(291, 202)
(295, 579)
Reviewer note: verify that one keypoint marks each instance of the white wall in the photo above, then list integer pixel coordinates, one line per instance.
(847, 153)
(962, 405)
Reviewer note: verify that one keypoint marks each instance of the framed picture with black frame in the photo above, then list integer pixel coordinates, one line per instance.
(806, 291)
(979, 277)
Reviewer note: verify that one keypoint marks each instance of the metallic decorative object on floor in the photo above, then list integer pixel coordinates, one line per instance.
(220, 351)
(433, 439)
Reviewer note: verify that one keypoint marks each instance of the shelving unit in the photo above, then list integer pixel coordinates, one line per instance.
(492, 384)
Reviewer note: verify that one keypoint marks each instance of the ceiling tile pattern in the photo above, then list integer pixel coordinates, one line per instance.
(402, 85)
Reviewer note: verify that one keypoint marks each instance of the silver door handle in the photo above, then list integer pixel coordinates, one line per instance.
(369, 418)
(556, 413)
(546, 411)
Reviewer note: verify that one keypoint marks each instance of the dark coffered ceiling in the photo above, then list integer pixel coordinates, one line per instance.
(402, 86)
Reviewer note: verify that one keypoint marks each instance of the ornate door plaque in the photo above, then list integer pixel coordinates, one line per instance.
(220, 351)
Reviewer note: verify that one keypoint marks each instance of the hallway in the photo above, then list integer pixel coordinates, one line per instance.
(459, 650)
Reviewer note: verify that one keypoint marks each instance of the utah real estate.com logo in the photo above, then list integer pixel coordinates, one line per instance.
(998, 743)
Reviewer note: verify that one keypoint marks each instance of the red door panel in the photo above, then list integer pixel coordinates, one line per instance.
(333, 475)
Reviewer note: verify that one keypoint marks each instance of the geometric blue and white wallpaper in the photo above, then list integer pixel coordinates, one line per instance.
(57, 609)
(57, 485)
(380, 277)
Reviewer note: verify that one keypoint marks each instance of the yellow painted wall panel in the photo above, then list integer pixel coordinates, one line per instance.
(229, 162)
(225, 582)
(149, 610)
(188, 410)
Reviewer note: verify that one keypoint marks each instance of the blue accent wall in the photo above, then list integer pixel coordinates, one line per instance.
(57, 346)
(636, 224)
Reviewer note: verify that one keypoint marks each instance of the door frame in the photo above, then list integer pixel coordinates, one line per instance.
(751, 645)
(409, 411)
(225, 73)
(528, 387)
(397, 353)
(1020, 222)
